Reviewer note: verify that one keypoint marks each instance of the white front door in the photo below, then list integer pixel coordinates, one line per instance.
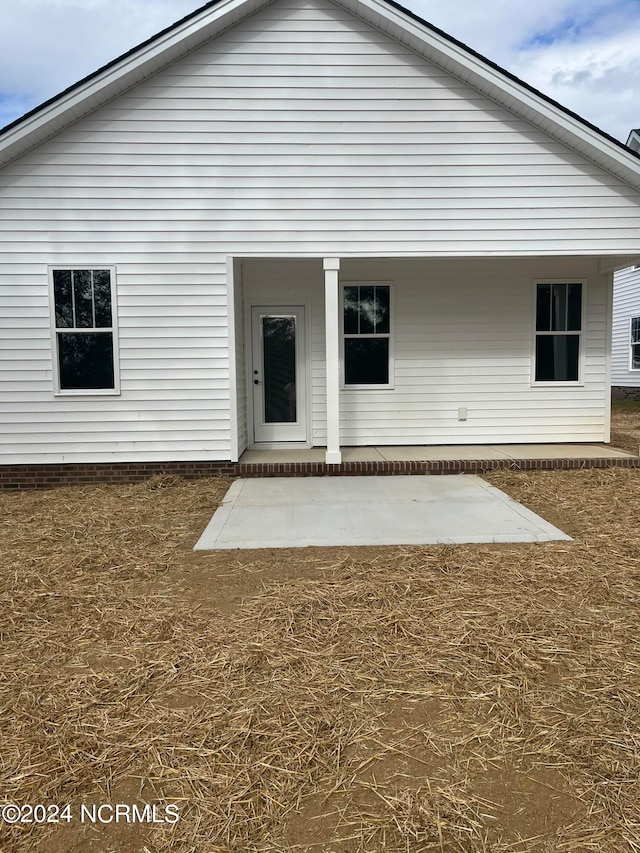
(278, 373)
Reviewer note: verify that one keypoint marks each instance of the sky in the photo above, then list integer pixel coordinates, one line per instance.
(583, 53)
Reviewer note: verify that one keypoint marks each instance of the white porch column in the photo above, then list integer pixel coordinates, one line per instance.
(332, 338)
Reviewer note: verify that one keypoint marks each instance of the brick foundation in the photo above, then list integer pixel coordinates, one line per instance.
(49, 476)
(44, 476)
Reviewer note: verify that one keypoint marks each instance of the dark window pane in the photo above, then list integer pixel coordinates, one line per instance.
(366, 361)
(367, 310)
(635, 357)
(62, 298)
(279, 353)
(558, 307)
(635, 330)
(574, 313)
(351, 310)
(557, 358)
(382, 309)
(543, 308)
(86, 360)
(83, 298)
(102, 297)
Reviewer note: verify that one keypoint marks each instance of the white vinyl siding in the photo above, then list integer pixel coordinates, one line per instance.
(174, 377)
(302, 131)
(626, 305)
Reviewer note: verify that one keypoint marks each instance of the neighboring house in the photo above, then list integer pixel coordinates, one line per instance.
(315, 222)
(625, 358)
(625, 349)
(633, 142)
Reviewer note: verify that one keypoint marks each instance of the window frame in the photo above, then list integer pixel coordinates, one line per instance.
(113, 330)
(559, 383)
(390, 336)
(633, 343)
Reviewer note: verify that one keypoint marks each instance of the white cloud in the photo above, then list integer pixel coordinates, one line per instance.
(598, 77)
(585, 54)
(47, 45)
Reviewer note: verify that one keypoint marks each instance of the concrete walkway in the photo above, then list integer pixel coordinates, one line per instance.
(294, 512)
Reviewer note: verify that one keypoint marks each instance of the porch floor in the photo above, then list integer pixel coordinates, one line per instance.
(440, 459)
(440, 452)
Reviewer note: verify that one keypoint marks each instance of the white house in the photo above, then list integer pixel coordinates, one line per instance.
(633, 142)
(322, 223)
(625, 350)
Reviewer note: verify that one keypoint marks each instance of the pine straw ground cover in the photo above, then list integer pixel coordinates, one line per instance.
(625, 425)
(475, 698)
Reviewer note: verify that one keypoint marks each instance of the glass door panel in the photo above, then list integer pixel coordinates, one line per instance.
(279, 369)
(278, 374)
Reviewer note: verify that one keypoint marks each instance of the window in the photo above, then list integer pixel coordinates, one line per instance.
(558, 332)
(635, 343)
(84, 333)
(367, 334)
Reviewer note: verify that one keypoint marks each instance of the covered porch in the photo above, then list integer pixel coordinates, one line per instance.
(452, 368)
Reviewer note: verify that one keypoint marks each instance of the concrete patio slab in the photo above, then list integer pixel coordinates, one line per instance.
(295, 512)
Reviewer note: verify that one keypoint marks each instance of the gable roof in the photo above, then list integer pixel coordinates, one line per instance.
(389, 17)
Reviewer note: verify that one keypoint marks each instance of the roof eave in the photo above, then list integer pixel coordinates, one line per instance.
(501, 86)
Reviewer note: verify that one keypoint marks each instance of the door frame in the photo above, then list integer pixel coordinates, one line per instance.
(305, 372)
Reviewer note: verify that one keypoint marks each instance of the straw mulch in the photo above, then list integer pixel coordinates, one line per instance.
(467, 699)
(625, 425)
